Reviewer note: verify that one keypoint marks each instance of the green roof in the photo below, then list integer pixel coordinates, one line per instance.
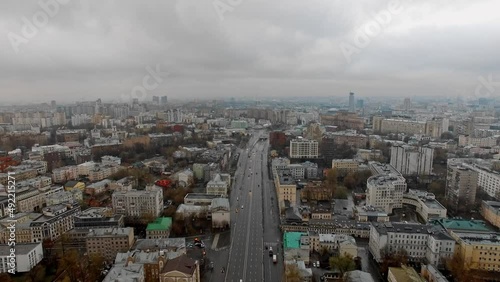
(161, 223)
(291, 240)
(461, 224)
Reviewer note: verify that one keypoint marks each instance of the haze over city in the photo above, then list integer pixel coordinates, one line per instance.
(85, 50)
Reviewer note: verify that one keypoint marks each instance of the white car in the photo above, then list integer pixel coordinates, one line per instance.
(241, 207)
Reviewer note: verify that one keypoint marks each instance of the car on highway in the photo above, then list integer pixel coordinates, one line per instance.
(241, 207)
(275, 259)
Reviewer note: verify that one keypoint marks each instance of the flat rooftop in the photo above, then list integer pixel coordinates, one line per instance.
(479, 238)
(200, 196)
(21, 249)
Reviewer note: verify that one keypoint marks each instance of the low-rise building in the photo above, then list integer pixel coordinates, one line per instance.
(181, 268)
(480, 251)
(369, 213)
(403, 273)
(220, 213)
(199, 199)
(340, 244)
(160, 228)
(345, 166)
(98, 217)
(217, 186)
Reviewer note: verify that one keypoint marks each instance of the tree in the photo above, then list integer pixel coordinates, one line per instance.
(5, 277)
(292, 273)
(350, 181)
(342, 263)
(459, 268)
(331, 179)
(340, 193)
(36, 274)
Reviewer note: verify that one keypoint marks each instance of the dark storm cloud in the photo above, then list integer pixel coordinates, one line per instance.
(89, 49)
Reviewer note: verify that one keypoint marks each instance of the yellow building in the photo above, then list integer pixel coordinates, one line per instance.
(345, 166)
(491, 212)
(481, 251)
(70, 185)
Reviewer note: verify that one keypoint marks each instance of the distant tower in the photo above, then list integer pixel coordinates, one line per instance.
(156, 100)
(352, 106)
(163, 100)
(53, 104)
(407, 104)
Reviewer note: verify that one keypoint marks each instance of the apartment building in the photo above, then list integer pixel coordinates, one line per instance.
(349, 137)
(343, 120)
(488, 180)
(342, 244)
(409, 160)
(138, 203)
(27, 257)
(303, 148)
(461, 186)
(385, 191)
(482, 142)
(286, 188)
(107, 242)
(481, 251)
(345, 166)
(409, 127)
(64, 174)
(490, 210)
(55, 221)
(29, 200)
(421, 242)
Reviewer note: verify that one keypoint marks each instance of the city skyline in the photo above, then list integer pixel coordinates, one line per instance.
(86, 50)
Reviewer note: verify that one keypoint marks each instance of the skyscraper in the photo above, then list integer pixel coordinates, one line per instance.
(156, 99)
(352, 106)
(163, 100)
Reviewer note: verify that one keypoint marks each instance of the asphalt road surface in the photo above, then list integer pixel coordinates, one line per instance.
(254, 219)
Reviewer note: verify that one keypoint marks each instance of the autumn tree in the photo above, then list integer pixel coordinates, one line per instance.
(350, 181)
(394, 259)
(331, 179)
(292, 273)
(5, 277)
(36, 274)
(343, 263)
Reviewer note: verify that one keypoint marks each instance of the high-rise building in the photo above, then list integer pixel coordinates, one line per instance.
(156, 100)
(407, 104)
(461, 186)
(352, 106)
(411, 160)
(360, 104)
(53, 104)
(163, 100)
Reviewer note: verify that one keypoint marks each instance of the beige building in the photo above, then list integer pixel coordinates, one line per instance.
(286, 189)
(108, 242)
(55, 221)
(217, 186)
(409, 127)
(467, 140)
(481, 251)
(490, 210)
(345, 166)
(339, 243)
(139, 202)
(425, 204)
(179, 269)
(403, 274)
(30, 200)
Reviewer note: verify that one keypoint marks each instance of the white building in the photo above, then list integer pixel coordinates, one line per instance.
(111, 160)
(386, 190)
(139, 203)
(303, 148)
(221, 213)
(64, 174)
(409, 160)
(27, 257)
(466, 140)
(421, 242)
(425, 204)
(217, 186)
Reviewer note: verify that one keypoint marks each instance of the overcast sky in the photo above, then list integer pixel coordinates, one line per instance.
(85, 49)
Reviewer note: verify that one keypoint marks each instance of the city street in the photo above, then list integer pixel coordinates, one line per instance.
(251, 210)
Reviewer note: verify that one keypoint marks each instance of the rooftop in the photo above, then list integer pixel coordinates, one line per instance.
(21, 249)
(461, 224)
(291, 240)
(471, 238)
(170, 244)
(182, 264)
(116, 231)
(160, 224)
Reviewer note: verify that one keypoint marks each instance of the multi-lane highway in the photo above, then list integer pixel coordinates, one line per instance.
(254, 217)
